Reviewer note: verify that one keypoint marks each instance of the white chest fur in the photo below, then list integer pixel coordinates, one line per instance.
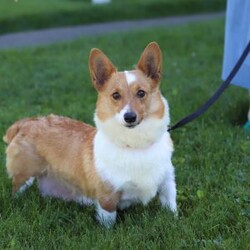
(138, 173)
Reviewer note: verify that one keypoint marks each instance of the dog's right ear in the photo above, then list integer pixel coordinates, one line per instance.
(100, 67)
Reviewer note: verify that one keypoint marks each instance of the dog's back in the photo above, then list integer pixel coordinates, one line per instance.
(51, 145)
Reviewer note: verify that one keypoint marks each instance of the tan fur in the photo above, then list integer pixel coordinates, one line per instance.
(107, 107)
(151, 105)
(63, 148)
(56, 146)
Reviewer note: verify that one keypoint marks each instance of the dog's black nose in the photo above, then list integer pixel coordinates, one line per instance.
(130, 117)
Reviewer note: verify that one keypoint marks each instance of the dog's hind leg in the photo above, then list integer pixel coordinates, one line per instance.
(24, 186)
(23, 165)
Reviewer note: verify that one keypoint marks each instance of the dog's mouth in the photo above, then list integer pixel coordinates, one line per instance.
(131, 125)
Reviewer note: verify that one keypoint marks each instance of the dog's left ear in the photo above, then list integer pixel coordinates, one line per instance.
(150, 62)
(100, 67)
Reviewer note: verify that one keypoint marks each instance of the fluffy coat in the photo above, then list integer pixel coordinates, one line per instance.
(126, 159)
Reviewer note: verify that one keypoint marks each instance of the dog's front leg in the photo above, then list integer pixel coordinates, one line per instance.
(105, 217)
(167, 193)
(106, 210)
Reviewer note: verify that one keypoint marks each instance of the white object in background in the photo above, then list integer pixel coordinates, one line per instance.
(100, 1)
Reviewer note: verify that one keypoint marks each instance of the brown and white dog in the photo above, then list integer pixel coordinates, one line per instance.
(126, 159)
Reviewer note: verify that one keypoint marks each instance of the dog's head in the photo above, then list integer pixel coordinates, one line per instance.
(128, 100)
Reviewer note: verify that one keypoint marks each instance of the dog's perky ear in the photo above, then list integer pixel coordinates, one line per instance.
(150, 62)
(101, 68)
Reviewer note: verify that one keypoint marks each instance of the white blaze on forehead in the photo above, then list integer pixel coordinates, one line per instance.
(130, 77)
(120, 116)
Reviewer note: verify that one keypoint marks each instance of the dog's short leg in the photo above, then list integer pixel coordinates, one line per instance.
(106, 218)
(28, 183)
(167, 193)
(84, 201)
(20, 183)
(106, 208)
(23, 164)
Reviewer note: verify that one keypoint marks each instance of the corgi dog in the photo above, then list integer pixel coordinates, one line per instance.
(125, 160)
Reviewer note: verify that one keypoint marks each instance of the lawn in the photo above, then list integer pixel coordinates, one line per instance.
(211, 154)
(17, 15)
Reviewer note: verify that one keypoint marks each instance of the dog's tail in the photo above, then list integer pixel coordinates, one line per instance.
(13, 130)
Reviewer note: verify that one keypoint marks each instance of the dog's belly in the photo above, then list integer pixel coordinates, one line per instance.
(49, 186)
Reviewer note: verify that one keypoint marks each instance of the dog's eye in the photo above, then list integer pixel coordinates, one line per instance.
(116, 96)
(141, 93)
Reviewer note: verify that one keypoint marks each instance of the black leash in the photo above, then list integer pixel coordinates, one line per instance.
(216, 94)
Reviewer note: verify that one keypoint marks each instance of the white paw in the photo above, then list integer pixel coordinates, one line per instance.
(25, 186)
(107, 219)
(169, 205)
(172, 206)
(83, 200)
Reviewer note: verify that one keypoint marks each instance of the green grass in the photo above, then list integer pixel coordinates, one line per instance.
(36, 14)
(211, 154)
